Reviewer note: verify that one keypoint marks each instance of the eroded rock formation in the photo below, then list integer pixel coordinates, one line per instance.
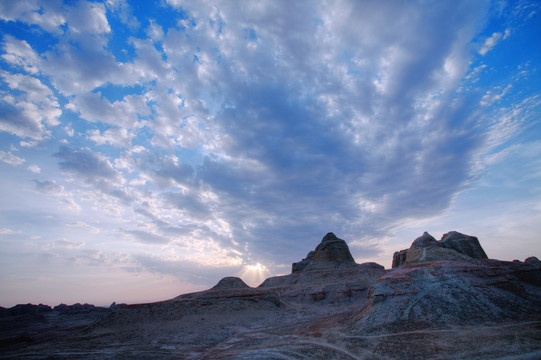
(442, 299)
(452, 246)
(230, 282)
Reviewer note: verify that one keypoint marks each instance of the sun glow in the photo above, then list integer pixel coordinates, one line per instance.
(253, 275)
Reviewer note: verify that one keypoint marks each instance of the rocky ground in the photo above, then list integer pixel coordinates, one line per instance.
(434, 304)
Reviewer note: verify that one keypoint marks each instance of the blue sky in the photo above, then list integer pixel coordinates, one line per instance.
(149, 150)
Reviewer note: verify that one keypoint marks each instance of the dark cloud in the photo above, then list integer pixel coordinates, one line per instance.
(189, 203)
(48, 187)
(148, 237)
(85, 164)
(15, 122)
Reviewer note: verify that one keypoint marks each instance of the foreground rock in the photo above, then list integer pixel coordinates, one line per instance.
(448, 293)
(26, 324)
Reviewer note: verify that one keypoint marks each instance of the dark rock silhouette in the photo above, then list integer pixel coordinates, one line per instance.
(21, 309)
(230, 282)
(332, 250)
(74, 308)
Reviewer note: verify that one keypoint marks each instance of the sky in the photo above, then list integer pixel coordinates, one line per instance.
(150, 148)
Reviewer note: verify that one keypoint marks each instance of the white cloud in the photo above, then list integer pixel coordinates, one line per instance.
(119, 137)
(494, 95)
(123, 10)
(67, 244)
(155, 31)
(491, 42)
(5, 231)
(84, 226)
(48, 15)
(88, 18)
(19, 53)
(34, 168)
(27, 113)
(123, 113)
(11, 159)
(508, 122)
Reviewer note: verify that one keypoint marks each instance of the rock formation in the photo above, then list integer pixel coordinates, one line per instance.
(329, 274)
(442, 299)
(230, 282)
(440, 293)
(452, 246)
(464, 244)
(331, 251)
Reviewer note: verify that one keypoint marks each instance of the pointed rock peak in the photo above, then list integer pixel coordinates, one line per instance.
(425, 240)
(330, 237)
(334, 250)
(230, 282)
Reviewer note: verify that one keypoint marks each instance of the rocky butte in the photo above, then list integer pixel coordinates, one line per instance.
(441, 299)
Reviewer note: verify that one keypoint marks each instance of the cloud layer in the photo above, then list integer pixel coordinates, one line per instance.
(204, 135)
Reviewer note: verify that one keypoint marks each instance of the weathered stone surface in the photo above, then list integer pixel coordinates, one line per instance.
(332, 250)
(399, 258)
(440, 293)
(299, 266)
(328, 275)
(433, 253)
(423, 241)
(452, 246)
(464, 244)
(230, 282)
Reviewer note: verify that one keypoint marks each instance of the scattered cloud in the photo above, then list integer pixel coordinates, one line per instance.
(494, 95)
(34, 168)
(82, 225)
(118, 137)
(490, 43)
(63, 243)
(11, 159)
(30, 109)
(5, 231)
